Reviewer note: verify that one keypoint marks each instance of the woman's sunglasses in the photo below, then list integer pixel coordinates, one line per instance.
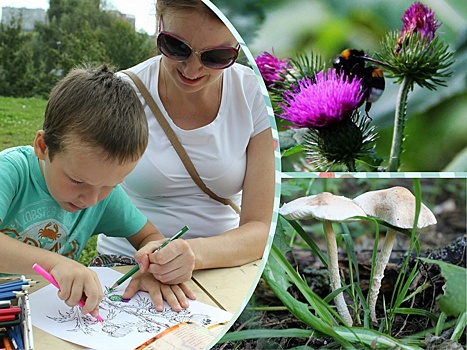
(178, 50)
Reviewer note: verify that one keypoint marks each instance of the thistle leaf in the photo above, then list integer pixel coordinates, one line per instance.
(453, 302)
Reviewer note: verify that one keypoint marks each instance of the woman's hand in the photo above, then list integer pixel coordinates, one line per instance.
(173, 264)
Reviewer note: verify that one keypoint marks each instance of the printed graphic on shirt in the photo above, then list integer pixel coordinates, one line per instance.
(47, 234)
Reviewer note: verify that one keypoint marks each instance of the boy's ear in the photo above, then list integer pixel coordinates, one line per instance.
(40, 148)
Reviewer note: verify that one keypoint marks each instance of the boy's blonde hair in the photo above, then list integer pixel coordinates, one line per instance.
(96, 108)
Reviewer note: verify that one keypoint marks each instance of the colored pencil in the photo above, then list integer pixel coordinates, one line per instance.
(136, 268)
(4, 304)
(41, 271)
(10, 295)
(17, 283)
(4, 318)
(12, 284)
(7, 343)
(19, 336)
(10, 323)
(16, 337)
(18, 288)
(10, 311)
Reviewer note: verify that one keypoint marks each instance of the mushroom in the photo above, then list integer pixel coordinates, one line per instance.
(396, 207)
(328, 208)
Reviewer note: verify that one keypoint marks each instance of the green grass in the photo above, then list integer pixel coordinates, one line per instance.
(20, 118)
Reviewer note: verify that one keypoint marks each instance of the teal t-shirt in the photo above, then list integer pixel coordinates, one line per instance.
(30, 214)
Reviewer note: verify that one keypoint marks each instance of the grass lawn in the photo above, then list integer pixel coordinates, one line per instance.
(20, 118)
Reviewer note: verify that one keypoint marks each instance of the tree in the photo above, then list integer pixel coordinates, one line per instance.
(81, 31)
(17, 76)
(124, 46)
(59, 9)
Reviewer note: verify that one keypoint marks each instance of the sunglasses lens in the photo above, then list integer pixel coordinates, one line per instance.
(219, 58)
(173, 48)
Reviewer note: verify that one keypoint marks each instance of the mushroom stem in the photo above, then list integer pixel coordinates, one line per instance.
(334, 276)
(378, 273)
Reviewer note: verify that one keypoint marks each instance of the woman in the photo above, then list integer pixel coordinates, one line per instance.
(218, 113)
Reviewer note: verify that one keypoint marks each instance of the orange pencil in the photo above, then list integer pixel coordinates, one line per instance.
(7, 343)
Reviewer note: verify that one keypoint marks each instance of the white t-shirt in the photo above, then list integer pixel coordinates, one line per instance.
(161, 187)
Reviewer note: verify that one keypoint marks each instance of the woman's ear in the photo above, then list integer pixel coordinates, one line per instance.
(40, 148)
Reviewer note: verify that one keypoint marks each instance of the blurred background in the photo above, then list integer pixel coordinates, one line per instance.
(436, 130)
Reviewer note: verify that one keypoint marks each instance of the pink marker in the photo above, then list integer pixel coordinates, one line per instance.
(41, 271)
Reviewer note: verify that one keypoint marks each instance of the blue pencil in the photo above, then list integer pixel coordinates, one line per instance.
(15, 339)
(19, 336)
(17, 288)
(12, 283)
(10, 295)
(16, 283)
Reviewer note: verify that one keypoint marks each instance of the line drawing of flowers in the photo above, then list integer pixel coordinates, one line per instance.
(139, 315)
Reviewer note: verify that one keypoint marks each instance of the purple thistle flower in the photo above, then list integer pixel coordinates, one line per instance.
(314, 105)
(419, 19)
(271, 68)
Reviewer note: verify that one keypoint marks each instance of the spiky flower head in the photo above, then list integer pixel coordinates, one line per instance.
(419, 19)
(327, 100)
(416, 53)
(272, 69)
(341, 146)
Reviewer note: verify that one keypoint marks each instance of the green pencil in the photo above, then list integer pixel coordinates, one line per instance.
(136, 268)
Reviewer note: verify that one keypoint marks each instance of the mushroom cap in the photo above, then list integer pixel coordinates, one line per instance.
(396, 206)
(323, 206)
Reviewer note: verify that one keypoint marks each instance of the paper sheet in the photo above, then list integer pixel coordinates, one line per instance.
(127, 324)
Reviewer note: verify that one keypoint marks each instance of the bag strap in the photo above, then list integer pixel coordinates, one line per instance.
(176, 143)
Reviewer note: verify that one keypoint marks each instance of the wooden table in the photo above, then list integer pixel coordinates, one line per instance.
(226, 288)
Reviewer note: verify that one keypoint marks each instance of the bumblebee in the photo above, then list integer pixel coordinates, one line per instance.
(352, 63)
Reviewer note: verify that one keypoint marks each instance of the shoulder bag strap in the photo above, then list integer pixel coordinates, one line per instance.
(176, 143)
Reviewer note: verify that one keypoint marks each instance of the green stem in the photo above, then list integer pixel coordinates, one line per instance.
(351, 166)
(270, 308)
(399, 121)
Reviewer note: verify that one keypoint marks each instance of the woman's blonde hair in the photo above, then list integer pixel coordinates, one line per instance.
(165, 6)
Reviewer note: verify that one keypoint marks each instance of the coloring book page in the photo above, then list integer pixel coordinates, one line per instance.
(127, 325)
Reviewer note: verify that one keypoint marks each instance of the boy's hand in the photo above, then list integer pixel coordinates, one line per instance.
(174, 295)
(173, 264)
(77, 282)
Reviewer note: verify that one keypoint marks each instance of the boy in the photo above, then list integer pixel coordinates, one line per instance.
(56, 194)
